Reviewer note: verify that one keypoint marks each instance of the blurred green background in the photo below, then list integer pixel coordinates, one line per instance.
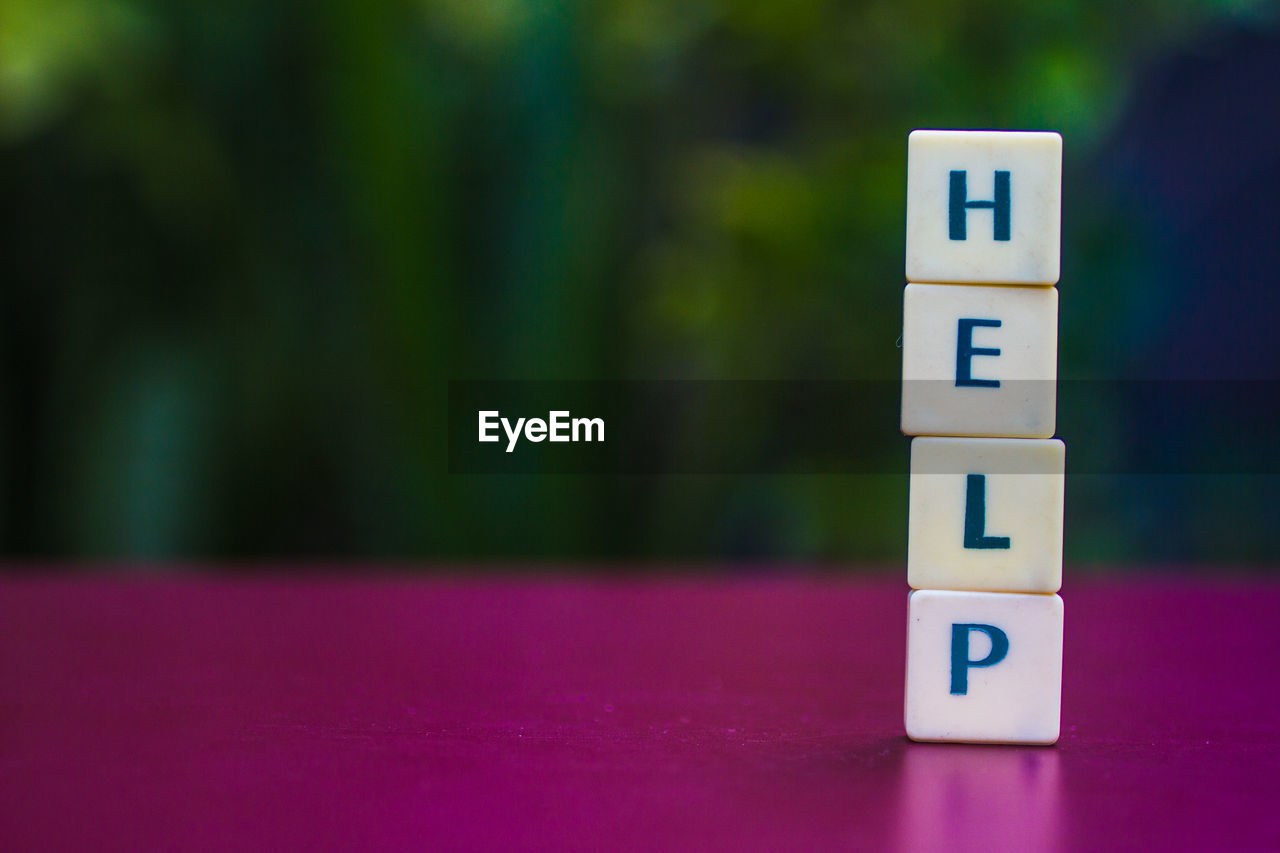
(246, 246)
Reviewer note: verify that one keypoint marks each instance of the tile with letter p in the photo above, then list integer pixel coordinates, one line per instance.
(983, 667)
(984, 206)
(986, 514)
(979, 361)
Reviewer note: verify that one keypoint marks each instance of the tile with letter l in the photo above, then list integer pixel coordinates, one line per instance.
(979, 361)
(983, 667)
(986, 514)
(984, 206)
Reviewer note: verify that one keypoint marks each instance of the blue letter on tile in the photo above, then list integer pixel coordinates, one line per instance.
(959, 204)
(960, 662)
(975, 516)
(965, 351)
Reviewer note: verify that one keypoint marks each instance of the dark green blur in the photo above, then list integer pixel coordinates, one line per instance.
(246, 245)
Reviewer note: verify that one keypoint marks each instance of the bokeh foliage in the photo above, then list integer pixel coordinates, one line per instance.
(247, 244)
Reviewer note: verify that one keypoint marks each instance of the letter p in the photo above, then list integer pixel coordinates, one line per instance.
(960, 662)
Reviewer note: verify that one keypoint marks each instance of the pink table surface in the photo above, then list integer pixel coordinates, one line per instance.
(575, 713)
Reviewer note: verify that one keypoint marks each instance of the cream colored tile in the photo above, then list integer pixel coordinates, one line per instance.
(984, 667)
(986, 514)
(979, 361)
(983, 206)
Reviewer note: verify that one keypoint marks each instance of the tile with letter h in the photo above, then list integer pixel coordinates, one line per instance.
(983, 667)
(986, 514)
(979, 361)
(984, 206)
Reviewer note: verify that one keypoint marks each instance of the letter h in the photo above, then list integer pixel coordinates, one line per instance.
(959, 205)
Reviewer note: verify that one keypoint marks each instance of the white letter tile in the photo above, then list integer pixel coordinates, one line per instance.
(986, 514)
(979, 361)
(983, 667)
(983, 206)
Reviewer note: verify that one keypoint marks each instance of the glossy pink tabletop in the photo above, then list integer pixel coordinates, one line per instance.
(666, 714)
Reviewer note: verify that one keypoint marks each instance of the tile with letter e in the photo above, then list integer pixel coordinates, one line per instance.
(986, 514)
(984, 206)
(979, 361)
(983, 667)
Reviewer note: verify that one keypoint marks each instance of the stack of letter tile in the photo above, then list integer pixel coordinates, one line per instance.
(979, 370)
